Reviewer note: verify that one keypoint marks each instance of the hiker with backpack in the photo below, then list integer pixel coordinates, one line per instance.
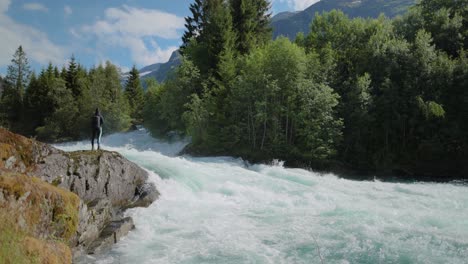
(96, 126)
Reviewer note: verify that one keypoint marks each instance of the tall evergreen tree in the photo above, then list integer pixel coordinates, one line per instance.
(134, 93)
(56, 72)
(17, 79)
(39, 99)
(193, 24)
(63, 73)
(251, 22)
(2, 85)
(218, 35)
(72, 77)
(209, 35)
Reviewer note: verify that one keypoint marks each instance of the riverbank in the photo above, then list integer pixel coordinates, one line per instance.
(76, 199)
(425, 171)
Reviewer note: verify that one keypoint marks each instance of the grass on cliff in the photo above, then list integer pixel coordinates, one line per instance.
(40, 198)
(31, 208)
(15, 145)
(12, 248)
(16, 247)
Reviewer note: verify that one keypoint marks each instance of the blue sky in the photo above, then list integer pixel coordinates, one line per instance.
(126, 32)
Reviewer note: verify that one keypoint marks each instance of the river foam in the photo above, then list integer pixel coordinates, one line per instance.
(224, 210)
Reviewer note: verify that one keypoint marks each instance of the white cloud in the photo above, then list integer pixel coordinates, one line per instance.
(35, 7)
(36, 44)
(123, 69)
(299, 5)
(4, 4)
(136, 29)
(68, 10)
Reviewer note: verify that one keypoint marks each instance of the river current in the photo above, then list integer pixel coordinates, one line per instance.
(224, 210)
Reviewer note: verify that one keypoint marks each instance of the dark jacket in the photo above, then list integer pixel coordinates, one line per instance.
(97, 121)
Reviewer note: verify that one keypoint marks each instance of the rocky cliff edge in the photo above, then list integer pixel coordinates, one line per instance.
(71, 198)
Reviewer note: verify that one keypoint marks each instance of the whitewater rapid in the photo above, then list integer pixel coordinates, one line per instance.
(224, 210)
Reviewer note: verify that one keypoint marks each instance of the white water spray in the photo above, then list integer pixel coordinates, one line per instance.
(223, 210)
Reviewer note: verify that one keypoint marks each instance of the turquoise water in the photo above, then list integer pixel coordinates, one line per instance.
(223, 210)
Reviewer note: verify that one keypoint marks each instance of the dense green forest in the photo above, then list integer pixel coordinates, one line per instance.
(387, 95)
(375, 95)
(57, 105)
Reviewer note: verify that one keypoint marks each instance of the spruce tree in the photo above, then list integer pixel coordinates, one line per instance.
(209, 35)
(63, 73)
(193, 24)
(218, 36)
(134, 93)
(17, 79)
(56, 72)
(251, 22)
(72, 77)
(2, 85)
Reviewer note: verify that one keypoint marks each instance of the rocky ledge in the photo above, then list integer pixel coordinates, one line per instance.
(104, 184)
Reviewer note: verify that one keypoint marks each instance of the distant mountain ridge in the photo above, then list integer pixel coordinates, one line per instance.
(160, 71)
(288, 24)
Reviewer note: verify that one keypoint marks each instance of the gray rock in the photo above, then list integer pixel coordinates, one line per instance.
(106, 183)
(111, 234)
(145, 196)
(10, 162)
(97, 175)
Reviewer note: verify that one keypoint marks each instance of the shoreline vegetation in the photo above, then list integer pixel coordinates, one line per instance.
(360, 97)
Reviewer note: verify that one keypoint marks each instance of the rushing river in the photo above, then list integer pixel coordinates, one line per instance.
(224, 210)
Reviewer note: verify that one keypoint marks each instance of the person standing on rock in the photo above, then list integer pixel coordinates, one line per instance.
(96, 126)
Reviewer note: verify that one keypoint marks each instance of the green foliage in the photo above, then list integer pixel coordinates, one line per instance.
(16, 81)
(209, 34)
(194, 24)
(377, 94)
(250, 19)
(72, 77)
(58, 105)
(105, 92)
(61, 122)
(393, 83)
(269, 108)
(135, 94)
(219, 29)
(165, 103)
(445, 20)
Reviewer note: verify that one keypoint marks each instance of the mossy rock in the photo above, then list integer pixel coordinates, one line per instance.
(17, 247)
(41, 208)
(17, 146)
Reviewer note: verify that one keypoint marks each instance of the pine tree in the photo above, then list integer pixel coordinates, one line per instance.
(218, 35)
(250, 19)
(56, 72)
(209, 34)
(63, 73)
(193, 24)
(35, 102)
(72, 77)
(134, 93)
(1, 86)
(17, 79)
